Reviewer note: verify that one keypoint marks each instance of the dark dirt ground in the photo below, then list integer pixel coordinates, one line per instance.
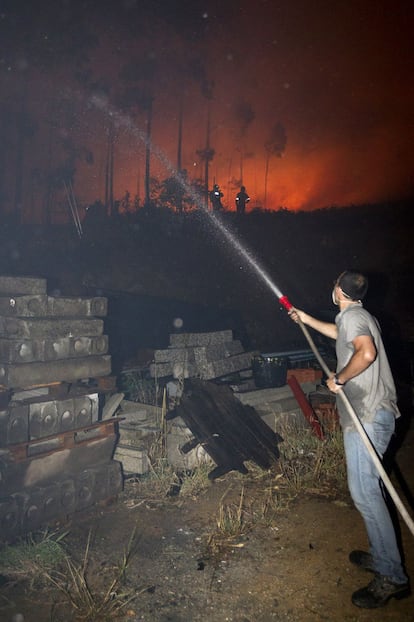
(294, 568)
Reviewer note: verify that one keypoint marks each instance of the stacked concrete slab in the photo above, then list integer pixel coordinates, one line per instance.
(55, 449)
(201, 355)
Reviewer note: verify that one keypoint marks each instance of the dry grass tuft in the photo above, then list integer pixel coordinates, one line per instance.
(81, 593)
(232, 524)
(32, 557)
(309, 464)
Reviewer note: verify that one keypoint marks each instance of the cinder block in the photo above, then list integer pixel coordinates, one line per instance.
(207, 354)
(22, 285)
(137, 421)
(20, 350)
(71, 347)
(134, 460)
(49, 328)
(55, 416)
(14, 425)
(204, 370)
(43, 420)
(130, 434)
(226, 366)
(23, 306)
(30, 374)
(200, 339)
(198, 354)
(66, 414)
(86, 409)
(176, 370)
(78, 412)
(41, 305)
(41, 350)
(174, 355)
(82, 307)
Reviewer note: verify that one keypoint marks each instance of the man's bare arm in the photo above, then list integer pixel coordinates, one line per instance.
(325, 328)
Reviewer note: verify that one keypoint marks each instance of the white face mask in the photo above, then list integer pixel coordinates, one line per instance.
(334, 298)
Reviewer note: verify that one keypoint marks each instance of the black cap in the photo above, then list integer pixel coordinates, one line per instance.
(353, 284)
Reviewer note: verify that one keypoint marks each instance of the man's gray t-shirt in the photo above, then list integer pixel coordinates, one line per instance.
(374, 388)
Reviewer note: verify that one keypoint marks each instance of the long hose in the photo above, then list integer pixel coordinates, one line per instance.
(364, 436)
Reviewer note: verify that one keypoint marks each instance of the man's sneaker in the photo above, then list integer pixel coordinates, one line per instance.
(362, 560)
(379, 591)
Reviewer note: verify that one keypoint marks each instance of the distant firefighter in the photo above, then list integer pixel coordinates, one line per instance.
(241, 199)
(215, 198)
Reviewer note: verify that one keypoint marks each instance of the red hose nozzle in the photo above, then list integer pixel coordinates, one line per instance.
(285, 302)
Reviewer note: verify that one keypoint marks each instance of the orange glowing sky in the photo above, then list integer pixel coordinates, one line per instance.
(336, 75)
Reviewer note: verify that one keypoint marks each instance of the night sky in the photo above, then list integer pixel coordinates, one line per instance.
(325, 89)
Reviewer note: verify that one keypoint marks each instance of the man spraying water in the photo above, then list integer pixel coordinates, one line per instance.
(363, 374)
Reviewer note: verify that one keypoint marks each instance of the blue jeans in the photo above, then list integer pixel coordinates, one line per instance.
(366, 490)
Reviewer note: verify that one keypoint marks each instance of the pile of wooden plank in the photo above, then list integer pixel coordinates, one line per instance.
(230, 432)
(55, 448)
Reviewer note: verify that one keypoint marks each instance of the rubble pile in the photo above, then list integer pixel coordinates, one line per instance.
(55, 446)
(141, 428)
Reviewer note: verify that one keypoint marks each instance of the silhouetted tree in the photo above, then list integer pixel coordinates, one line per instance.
(207, 154)
(244, 115)
(139, 76)
(274, 146)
